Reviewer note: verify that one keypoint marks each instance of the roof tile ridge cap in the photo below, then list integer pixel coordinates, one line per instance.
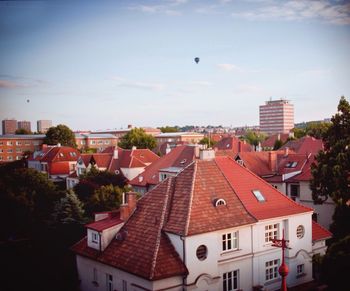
(161, 223)
(228, 181)
(191, 196)
(273, 188)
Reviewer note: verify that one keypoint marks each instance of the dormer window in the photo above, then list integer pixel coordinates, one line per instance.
(73, 154)
(219, 202)
(183, 161)
(291, 164)
(228, 145)
(258, 195)
(61, 155)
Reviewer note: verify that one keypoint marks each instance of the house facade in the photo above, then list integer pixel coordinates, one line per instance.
(208, 228)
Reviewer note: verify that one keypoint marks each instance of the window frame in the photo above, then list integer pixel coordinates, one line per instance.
(230, 280)
(271, 270)
(271, 231)
(230, 241)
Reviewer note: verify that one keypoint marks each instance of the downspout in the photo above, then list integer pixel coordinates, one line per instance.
(184, 260)
(252, 247)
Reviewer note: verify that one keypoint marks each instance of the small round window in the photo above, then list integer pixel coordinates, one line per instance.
(202, 252)
(300, 231)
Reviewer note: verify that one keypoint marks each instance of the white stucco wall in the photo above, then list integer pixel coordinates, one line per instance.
(86, 275)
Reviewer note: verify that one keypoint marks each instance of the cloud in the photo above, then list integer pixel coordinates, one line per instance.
(169, 7)
(315, 73)
(324, 10)
(138, 85)
(6, 84)
(234, 68)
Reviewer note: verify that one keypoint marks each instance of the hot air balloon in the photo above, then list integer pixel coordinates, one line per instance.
(196, 60)
(28, 100)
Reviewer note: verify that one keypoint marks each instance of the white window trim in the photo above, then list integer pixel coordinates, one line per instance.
(229, 238)
(271, 233)
(271, 270)
(226, 279)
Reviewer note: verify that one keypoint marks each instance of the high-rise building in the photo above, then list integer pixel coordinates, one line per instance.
(276, 116)
(43, 125)
(24, 125)
(9, 126)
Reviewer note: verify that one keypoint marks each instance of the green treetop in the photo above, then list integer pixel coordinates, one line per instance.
(138, 138)
(60, 134)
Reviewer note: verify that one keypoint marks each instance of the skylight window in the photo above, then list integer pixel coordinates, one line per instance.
(291, 164)
(259, 196)
(183, 161)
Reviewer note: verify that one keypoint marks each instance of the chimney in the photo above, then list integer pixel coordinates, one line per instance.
(58, 144)
(115, 153)
(286, 151)
(239, 146)
(133, 148)
(279, 136)
(129, 125)
(273, 161)
(207, 154)
(196, 151)
(168, 149)
(128, 205)
(43, 146)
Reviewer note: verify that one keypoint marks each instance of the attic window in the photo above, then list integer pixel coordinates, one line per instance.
(228, 145)
(140, 178)
(220, 202)
(61, 155)
(291, 164)
(258, 195)
(73, 154)
(183, 161)
(116, 172)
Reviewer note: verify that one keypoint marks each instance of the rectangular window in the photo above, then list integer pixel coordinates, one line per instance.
(35, 143)
(300, 269)
(271, 232)
(230, 281)
(92, 142)
(9, 158)
(18, 157)
(258, 195)
(106, 141)
(94, 237)
(294, 191)
(9, 143)
(18, 143)
(230, 241)
(1, 151)
(100, 142)
(27, 143)
(18, 150)
(9, 151)
(1, 143)
(125, 286)
(109, 282)
(0, 158)
(271, 270)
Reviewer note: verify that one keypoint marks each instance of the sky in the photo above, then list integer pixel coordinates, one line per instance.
(97, 65)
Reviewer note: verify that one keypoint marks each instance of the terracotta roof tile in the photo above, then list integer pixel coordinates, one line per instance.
(244, 182)
(319, 232)
(270, 141)
(233, 144)
(305, 145)
(106, 223)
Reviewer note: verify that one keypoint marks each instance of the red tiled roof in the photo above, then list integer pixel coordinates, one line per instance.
(233, 144)
(102, 160)
(244, 182)
(270, 141)
(58, 168)
(106, 223)
(86, 158)
(319, 232)
(305, 145)
(60, 154)
(146, 250)
(180, 156)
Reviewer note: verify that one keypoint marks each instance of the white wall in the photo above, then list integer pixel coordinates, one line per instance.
(86, 270)
(131, 173)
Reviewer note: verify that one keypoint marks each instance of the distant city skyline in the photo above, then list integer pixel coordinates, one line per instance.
(106, 64)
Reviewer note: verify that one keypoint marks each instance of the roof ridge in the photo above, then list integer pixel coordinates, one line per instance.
(191, 196)
(161, 223)
(222, 172)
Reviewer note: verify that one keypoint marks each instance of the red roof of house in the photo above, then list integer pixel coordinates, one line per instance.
(244, 182)
(270, 141)
(58, 168)
(102, 160)
(146, 250)
(319, 232)
(180, 156)
(61, 154)
(233, 144)
(110, 221)
(305, 145)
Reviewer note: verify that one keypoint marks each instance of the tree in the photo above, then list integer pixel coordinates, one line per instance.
(317, 129)
(105, 198)
(254, 138)
(277, 145)
(23, 131)
(336, 264)
(331, 172)
(27, 199)
(207, 141)
(60, 134)
(298, 132)
(169, 129)
(138, 138)
(69, 209)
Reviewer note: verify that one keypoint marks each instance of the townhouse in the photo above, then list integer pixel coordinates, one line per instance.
(208, 228)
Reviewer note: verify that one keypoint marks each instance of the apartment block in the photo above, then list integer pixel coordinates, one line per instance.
(43, 125)
(276, 116)
(9, 126)
(24, 125)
